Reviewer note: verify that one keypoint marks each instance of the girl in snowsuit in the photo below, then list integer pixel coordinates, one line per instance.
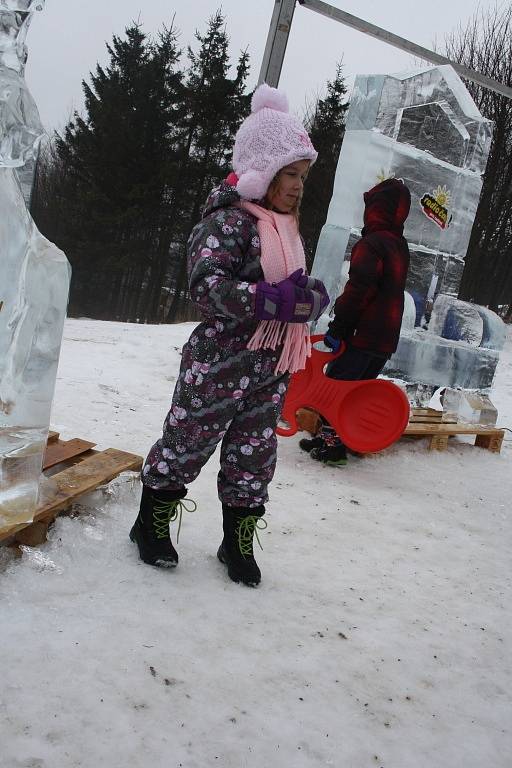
(246, 273)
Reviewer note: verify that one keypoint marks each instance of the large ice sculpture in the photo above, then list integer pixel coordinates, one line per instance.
(424, 128)
(34, 284)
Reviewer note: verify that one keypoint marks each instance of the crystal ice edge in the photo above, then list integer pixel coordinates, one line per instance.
(34, 285)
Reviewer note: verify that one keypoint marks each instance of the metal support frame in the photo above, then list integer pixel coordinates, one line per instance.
(405, 45)
(280, 31)
(277, 40)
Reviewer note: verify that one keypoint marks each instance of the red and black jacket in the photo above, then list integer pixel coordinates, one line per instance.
(368, 314)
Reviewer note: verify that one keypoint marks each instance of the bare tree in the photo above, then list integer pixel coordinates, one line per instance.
(485, 44)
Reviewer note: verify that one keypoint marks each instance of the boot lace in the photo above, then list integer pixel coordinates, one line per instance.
(166, 512)
(247, 528)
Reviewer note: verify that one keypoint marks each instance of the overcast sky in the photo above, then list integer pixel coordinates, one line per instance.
(67, 39)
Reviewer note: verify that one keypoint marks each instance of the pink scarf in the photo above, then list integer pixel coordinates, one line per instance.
(281, 254)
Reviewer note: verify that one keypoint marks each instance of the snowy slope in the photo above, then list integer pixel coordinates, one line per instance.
(380, 635)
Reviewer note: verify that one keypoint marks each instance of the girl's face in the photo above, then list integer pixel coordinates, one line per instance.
(285, 192)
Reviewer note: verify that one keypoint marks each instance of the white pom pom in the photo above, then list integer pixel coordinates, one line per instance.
(251, 185)
(265, 96)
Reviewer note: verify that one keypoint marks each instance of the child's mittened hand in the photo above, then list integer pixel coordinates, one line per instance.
(306, 281)
(281, 301)
(332, 343)
(297, 304)
(288, 302)
(268, 301)
(312, 284)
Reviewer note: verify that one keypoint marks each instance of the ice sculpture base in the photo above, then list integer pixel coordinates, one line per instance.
(431, 360)
(34, 280)
(468, 407)
(21, 459)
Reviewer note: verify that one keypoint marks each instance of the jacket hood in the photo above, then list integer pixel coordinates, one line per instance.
(387, 206)
(223, 196)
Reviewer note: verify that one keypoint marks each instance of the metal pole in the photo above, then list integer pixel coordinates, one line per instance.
(277, 40)
(405, 45)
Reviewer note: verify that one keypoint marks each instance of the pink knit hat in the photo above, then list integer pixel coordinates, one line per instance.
(267, 140)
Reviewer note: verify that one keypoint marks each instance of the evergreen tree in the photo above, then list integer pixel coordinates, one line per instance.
(122, 187)
(216, 105)
(326, 127)
(120, 160)
(485, 45)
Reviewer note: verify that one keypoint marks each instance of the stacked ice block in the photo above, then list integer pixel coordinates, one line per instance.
(422, 127)
(34, 283)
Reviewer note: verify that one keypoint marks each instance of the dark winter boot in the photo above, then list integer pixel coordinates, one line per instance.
(240, 524)
(324, 437)
(307, 444)
(334, 455)
(151, 528)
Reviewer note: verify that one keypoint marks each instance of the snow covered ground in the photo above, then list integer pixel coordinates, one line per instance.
(380, 635)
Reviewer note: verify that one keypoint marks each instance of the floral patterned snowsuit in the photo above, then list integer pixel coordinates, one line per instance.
(224, 391)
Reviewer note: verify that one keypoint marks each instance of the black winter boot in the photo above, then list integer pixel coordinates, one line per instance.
(240, 524)
(151, 528)
(332, 455)
(324, 437)
(307, 444)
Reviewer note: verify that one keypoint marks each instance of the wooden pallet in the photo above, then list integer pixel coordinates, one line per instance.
(74, 468)
(429, 416)
(59, 451)
(427, 423)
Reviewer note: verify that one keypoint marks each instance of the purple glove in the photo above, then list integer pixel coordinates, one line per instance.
(311, 283)
(306, 281)
(290, 302)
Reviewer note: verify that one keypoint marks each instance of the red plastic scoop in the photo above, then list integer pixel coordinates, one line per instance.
(367, 415)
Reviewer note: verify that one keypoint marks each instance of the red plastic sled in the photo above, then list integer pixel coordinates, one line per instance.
(368, 415)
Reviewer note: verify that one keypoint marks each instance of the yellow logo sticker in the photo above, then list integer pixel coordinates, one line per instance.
(435, 206)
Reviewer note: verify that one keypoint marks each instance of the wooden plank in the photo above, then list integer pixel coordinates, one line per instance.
(487, 437)
(33, 535)
(491, 442)
(62, 450)
(75, 481)
(430, 416)
(428, 420)
(452, 429)
(438, 443)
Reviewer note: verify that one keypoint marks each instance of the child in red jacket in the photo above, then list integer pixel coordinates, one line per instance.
(368, 314)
